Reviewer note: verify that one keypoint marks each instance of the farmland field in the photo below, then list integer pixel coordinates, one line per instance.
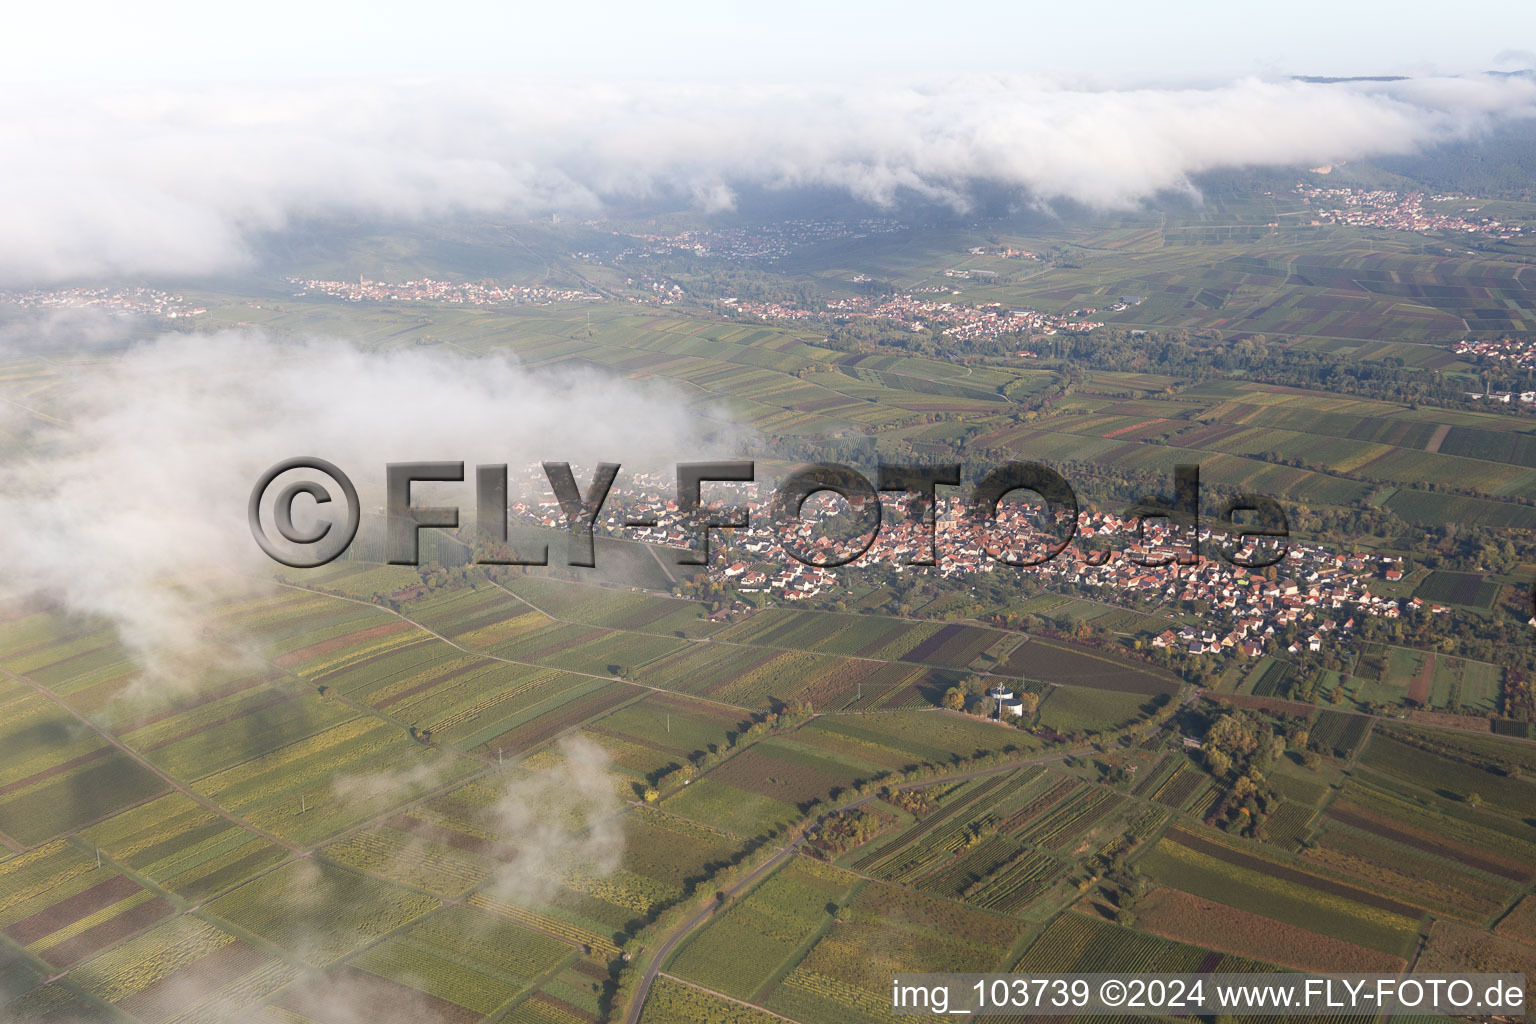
(866, 636)
(55, 778)
(661, 730)
(1458, 588)
(1076, 942)
(468, 791)
(463, 958)
(672, 1002)
(1268, 678)
(848, 970)
(1520, 922)
(321, 912)
(1450, 766)
(930, 736)
(1442, 829)
(597, 606)
(1354, 844)
(901, 744)
(757, 940)
(1452, 946)
(770, 785)
(1055, 661)
(754, 677)
(1071, 709)
(1339, 734)
(1185, 918)
(1204, 868)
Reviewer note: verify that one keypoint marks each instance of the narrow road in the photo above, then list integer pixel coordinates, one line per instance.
(984, 673)
(666, 571)
(729, 999)
(496, 657)
(175, 784)
(688, 927)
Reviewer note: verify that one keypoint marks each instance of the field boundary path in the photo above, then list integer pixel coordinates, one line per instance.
(508, 661)
(973, 670)
(729, 999)
(180, 787)
(683, 931)
(1438, 437)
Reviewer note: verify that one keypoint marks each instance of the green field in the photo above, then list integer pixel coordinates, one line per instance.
(1256, 885)
(466, 793)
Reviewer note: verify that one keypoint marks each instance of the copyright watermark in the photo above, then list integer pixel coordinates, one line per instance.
(1275, 994)
(321, 544)
(333, 512)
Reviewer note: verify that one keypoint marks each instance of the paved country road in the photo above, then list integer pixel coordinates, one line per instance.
(688, 927)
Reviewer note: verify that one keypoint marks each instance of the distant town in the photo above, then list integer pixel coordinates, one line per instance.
(766, 243)
(959, 321)
(447, 292)
(1504, 354)
(1399, 211)
(141, 301)
(1314, 594)
(1516, 353)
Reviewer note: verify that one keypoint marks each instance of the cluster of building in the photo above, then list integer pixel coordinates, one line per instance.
(1506, 397)
(1399, 211)
(1319, 590)
(428, 290)
(1517, 354)
(1113, 558)
(151, 301)
(651, 291)
(766, 243)
(957, 320)
(1007, 252)
(1313, 586)
(1514, 353)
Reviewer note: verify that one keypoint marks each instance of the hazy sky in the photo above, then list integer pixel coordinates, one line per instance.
(1092, 41)
(163, 138)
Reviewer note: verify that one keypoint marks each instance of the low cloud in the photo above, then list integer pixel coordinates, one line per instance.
(128, 499)
(565, 821)
(170, 182)
(383, 788)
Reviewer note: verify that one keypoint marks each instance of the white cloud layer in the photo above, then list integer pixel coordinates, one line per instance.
(133, 507)
(178, 182)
